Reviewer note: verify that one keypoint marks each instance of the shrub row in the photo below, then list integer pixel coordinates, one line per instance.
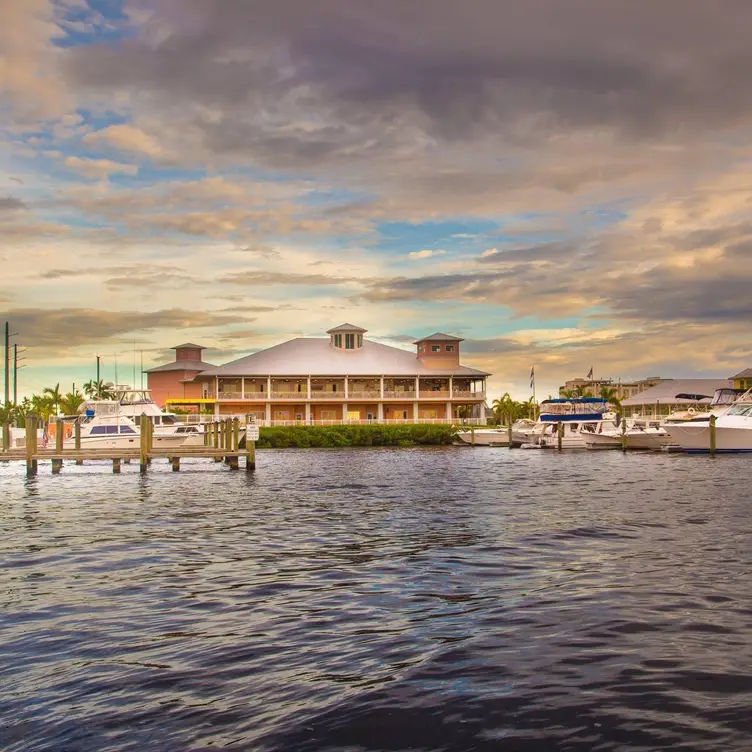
(355, 435)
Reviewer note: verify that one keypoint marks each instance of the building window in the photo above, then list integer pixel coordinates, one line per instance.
(435, 348)
(360, 340)
(338, 340)
(450, 348)
(349, 342)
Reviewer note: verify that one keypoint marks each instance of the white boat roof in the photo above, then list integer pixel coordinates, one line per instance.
(306, 356)
(665, 392)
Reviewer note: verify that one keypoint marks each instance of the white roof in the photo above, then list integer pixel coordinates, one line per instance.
(317, 357)
(665, 392)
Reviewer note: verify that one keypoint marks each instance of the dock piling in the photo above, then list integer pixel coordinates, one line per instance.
(144, 445)
(559, 435)
(712, 435)
(115, 465)
(77, 441)
(6, 437)
(57, 464)
(250, 457)
(509, 434)
(31, 445)
(175, 462)
(472, 436)
(623, 435)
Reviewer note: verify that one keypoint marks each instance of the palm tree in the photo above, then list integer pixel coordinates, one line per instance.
(504, 407)
(54, 395)
(42, 406)
(98, 390)
(464, 412)
(610, 396)
(71, 402)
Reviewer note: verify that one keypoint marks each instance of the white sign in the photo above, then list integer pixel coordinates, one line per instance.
(252, 430)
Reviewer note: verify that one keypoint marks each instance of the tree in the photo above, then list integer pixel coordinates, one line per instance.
(54, 395)
(464, 412)
(98, 390)
(71, 402)
(609, 396)
(42, 406)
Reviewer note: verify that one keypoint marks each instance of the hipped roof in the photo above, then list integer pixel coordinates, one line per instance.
(316, 357)
(665, 392)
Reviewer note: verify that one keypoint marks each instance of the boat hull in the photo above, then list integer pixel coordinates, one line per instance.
(485, 438)
(124, 442)
(601, 441)
(695, 438)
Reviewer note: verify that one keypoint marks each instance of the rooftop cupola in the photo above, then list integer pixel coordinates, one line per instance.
(346, 337)
(439, 350)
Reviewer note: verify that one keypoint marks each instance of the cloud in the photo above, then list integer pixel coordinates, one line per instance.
(127, 138)
(424, 254)
(263, 278)
(99, 168)
(10, 204)
(57, 329)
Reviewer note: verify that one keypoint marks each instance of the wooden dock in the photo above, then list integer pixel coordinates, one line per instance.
(221, 443)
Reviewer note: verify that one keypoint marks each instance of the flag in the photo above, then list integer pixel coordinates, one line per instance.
(590, 373)
(532, 377)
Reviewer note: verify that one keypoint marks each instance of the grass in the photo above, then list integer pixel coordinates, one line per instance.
(355, 436)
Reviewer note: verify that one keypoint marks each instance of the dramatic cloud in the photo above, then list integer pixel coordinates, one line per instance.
(558, 182)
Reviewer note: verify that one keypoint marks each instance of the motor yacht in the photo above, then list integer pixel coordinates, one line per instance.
(574, 414)
(498, 436)
(105, 427)
(733, 429)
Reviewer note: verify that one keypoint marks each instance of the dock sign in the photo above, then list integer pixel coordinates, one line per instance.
(252, 431)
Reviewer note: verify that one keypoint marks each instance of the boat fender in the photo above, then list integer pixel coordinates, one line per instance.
(691, 411)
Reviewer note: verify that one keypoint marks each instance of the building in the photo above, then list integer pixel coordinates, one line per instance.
(743, 379)
(661, 399)
(176, 380)
(345, 377)
(624, 389)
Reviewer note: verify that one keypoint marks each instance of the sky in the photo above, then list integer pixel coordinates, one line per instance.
(563, 183)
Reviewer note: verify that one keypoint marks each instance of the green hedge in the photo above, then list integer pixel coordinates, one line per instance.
(355, 435)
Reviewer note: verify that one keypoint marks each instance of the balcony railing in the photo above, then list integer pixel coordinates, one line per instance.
(364, 395)
(399, 395)
(369, 395)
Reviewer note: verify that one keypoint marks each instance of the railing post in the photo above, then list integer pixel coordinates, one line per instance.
(712, 436)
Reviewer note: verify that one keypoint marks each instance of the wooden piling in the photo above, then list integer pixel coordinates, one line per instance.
(6, 437)
(250, 456)
(144, 446)
(560, 435)
(31, 445)
(175, 462)
(472, 437)
(235, 434)
(57, 464)
(77, 441)
(115, 465)
(217, 439)
(509, 434)
(712, 435)
(623, 435)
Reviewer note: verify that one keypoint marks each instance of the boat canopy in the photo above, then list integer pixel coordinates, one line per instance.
(575, 400)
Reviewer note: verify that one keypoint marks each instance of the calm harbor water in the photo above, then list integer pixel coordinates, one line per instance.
(426, 599)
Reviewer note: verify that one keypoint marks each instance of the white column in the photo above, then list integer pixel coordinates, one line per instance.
(344, 411)
(380, 409)
(417, 386)
(268, 387)
(308, 412)
(451, 387)
(416, 412)
(347, 386)
(308, 388)
(216, 409)
(381, 388)
(449, 412)
(242, 388)
(268, 414)
(216, 387)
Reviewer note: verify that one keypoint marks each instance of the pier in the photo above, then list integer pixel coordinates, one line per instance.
(221, 443)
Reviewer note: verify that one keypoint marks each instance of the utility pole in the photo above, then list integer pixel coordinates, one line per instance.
(7, 363)
(99, 392)
(16, 367)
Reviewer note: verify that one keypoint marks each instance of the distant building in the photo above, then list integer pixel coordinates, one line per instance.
(661, 399)
(743, 379)
(344, 377)
(624, 389)
(176, 380)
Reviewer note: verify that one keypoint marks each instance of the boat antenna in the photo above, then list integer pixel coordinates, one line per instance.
(142, 369)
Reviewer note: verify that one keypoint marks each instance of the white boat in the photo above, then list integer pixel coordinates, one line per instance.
(647, 435)
(588, 413)
(134, 403)
(107, 428)
(485, 437)
(733, 430)
(521, 430)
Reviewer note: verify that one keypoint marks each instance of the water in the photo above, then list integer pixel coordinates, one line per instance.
(428, 599)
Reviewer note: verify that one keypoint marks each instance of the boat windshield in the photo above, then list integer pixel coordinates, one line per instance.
(744, 409)
(135, 397)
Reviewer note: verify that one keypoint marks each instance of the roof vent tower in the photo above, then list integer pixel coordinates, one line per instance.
(346, 337)
(439, 351)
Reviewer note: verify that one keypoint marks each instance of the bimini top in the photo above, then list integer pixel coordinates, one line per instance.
(564, 400)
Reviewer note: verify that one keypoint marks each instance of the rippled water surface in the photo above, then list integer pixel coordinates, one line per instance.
(427, 599)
